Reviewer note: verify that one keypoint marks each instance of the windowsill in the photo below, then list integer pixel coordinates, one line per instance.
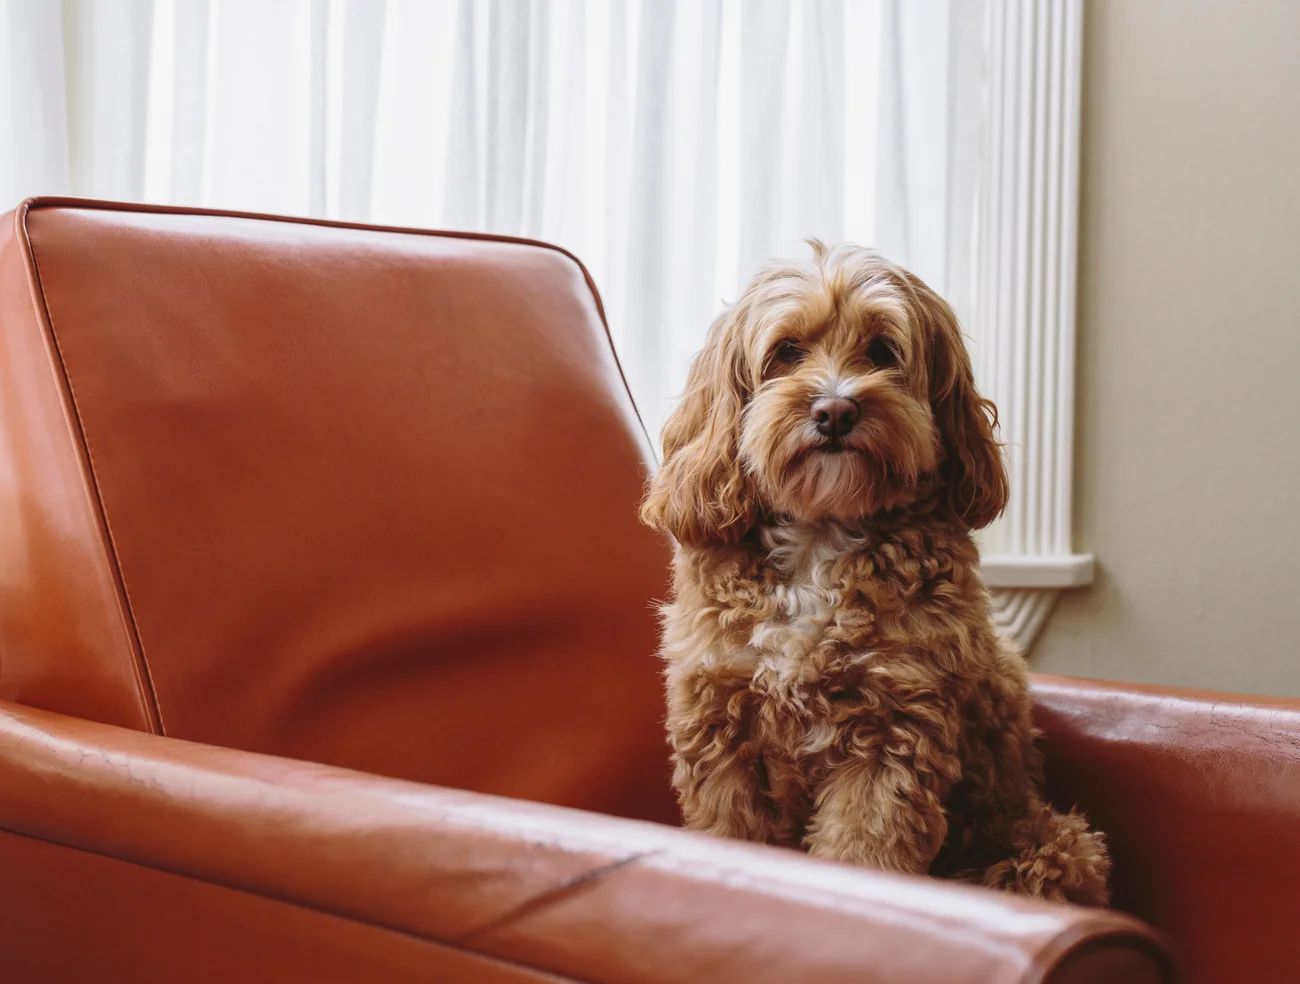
(1009, 571)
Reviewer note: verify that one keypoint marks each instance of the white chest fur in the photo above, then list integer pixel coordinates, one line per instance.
(807, 558)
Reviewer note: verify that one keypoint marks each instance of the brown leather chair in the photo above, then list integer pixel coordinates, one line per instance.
(326, 653)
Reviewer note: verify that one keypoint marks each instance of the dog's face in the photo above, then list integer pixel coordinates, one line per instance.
(837, 388)
(837, 420)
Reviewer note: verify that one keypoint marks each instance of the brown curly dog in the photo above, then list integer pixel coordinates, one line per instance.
(834, 677)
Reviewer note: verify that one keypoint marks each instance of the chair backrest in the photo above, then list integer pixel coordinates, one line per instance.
(355, 495)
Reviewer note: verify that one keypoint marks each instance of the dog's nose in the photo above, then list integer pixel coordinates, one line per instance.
(835, 416)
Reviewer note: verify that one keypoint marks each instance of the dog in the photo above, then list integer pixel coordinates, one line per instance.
(834, 678)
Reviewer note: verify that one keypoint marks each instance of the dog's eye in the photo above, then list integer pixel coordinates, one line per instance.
(882, 354)
(788, 352)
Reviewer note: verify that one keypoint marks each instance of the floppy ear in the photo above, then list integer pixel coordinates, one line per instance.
(701, 493)
(976, 474)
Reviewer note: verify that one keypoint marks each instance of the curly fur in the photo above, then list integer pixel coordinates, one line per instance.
(834, 678)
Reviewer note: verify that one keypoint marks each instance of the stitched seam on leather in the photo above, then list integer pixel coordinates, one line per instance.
(88, 204)
(144, 678)
(609, 340)
(451, 944)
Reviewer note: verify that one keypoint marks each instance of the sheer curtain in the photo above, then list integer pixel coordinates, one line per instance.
(672, 144)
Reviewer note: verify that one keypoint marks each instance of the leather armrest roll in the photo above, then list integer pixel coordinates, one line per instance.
(542, 889)
(1199, 796)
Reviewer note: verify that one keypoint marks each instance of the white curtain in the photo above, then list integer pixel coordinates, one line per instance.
(672, 144)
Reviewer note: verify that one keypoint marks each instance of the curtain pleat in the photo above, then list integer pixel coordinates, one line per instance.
(764, 58)
(362, 57)
(319, 99)
(107, 46)
(644, 308)
(690, 285)
(187, 159)
(820, 146)
(33, 101)
(465, 172)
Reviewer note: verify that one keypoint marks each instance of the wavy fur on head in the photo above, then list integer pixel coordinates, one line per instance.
(834, 678)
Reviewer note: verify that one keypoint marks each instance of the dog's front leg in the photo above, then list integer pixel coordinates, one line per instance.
(883, 808)
(723, 795)
(717, 773)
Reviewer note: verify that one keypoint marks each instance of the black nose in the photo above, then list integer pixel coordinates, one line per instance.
(835, 416)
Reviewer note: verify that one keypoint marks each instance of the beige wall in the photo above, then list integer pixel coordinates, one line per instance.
(1187, 484)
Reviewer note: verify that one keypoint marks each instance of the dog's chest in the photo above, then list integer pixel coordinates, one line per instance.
(805, 599)
(804, 610)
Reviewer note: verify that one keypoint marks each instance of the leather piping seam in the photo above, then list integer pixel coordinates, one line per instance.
(1084, 937)
(56, 201)
(144, 678)
(452, 944)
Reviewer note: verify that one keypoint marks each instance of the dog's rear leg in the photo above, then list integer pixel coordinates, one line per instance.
(1056, 858)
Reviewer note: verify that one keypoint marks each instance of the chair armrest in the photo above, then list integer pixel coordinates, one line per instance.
(1199, 794)
(580, 896)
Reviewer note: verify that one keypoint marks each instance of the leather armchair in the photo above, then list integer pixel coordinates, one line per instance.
(326, 653)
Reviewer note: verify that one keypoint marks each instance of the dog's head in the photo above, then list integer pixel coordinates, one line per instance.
(838, 389)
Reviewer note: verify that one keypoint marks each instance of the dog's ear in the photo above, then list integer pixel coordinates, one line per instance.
(701, 493)
(976, 474)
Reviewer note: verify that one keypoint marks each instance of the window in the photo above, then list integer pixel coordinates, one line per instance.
(672, 144)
